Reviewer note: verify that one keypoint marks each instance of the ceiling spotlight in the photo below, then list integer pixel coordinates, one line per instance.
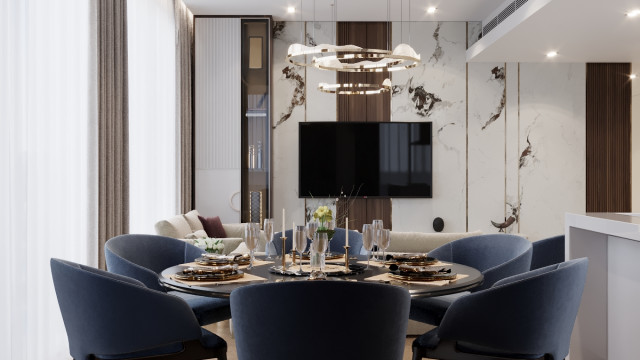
(291, 10)
(632, 76)
(552, 54)
(633, 13)
(431, 10)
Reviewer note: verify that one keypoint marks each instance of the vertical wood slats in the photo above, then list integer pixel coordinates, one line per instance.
(608, 131)
(366, 108)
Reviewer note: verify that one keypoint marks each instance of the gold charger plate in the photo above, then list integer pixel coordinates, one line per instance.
(419, 277)
(210, 277)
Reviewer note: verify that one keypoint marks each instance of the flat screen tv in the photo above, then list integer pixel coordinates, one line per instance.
(365, 159)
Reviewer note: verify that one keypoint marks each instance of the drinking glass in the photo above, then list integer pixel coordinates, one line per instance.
(251, 236)
(311, 229)
(268, 231)
(331, 226)
(384, 239)
(367, 240)
(377, 225)
(300, 241)
(320, 244)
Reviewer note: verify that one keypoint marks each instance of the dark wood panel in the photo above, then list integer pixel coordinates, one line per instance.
(608, 137)
(370, 108)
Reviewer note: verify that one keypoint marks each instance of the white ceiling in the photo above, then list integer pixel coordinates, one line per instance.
(579, 30)
(349, 10)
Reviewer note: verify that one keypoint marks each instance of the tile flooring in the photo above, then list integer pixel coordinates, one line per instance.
(222, 329)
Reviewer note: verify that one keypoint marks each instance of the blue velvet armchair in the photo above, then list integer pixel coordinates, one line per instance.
(108, 316)
(525, 316)
(144, 257)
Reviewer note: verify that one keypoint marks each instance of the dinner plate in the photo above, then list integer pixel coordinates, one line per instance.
(422, 277)
(411, 259)
(216, 260)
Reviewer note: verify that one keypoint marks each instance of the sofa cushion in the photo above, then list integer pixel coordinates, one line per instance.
(198, 234)
(423, 242)
(175, 227)
(213, 226)
(194, 222)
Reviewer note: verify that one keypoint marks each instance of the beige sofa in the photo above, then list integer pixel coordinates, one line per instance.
(188, 227)
(417, 242)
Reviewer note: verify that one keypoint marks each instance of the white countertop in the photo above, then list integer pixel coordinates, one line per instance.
(624, 225)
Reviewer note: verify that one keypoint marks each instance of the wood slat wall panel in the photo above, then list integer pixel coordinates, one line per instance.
(608, 122)
(370, 108)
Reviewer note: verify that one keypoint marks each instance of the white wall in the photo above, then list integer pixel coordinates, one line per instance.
(635, 139)
(509, 139)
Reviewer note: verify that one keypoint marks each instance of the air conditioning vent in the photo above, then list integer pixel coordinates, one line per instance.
(505, 13)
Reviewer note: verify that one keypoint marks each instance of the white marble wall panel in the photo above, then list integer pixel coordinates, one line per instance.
(320, 106)
(435, 91)
(552, 146)
(474, 31)
(486, 145)
(289, 100)
(512, 125)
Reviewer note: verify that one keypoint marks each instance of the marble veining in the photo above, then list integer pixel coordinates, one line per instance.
(474, 32)
(298, 99)
(497, 73)
(437, 52)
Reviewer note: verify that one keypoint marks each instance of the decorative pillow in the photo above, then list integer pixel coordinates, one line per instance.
(193, 221)
(213, 226)
(198, 234)
(175, 227)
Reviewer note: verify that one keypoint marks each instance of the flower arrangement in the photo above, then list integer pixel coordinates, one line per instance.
(324, 215)
(210, 245)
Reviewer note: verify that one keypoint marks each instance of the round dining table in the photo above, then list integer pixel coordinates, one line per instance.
(223, 289)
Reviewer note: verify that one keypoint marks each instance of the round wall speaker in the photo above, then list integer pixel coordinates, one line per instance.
(438, 224)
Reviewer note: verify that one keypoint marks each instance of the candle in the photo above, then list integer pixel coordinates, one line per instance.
(283, 228)
(346, 242)
(293, 236)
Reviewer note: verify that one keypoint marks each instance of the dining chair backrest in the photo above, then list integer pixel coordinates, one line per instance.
(339, 239)
(547, 252)
(495, 255)
(320, 320)
(144, 257)
(529, 313)
(109, 314)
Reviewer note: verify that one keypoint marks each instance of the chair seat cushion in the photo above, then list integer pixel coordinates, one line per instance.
(208, 340)
(431, 310)
(207, 310)
(484, 350)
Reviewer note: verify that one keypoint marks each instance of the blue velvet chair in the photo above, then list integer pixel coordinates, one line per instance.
(108, 316)
(525, 316)
(547, 252)
(336, 243)
(312, 320)
(496, 256)
(144, 257)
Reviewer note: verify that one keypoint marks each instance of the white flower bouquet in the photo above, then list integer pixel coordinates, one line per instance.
(210, 245)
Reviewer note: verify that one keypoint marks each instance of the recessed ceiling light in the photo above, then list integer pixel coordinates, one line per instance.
(632, 76)
(431, 10)
(552, 54)
(291, 9)
(633, 13)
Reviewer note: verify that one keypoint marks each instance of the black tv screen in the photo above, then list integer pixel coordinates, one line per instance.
(390, 159)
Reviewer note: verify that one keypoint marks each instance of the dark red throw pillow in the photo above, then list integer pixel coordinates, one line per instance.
(213, 227)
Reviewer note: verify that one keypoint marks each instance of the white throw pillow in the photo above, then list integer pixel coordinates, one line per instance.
(198, 234)
(176, 227)
(241, 249)
(193, 221)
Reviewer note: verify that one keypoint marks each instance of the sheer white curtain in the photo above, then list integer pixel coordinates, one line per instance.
(153, 128)
(47, 165)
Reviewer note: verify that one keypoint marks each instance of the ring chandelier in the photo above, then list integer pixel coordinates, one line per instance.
(355, 89)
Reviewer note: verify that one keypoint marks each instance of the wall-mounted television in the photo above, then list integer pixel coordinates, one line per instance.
(365, 159)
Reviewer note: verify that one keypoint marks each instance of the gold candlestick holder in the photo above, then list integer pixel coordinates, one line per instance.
(284, 253)
(346, 259)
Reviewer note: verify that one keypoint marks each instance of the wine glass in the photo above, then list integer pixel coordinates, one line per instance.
(377, 225)
(268, 231)
(367, 240)
(331, 226)
(300, 241)
(384, 239)
(251, 235)
(311, 229)
(318, 247)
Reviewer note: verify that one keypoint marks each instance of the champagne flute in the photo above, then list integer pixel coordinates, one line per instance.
(268, 231)
(377, 225)
(311, 229)
(251, 234)
(331, 226)
(300, 240)
(320, 244)
(367, 240)
(384, 239)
